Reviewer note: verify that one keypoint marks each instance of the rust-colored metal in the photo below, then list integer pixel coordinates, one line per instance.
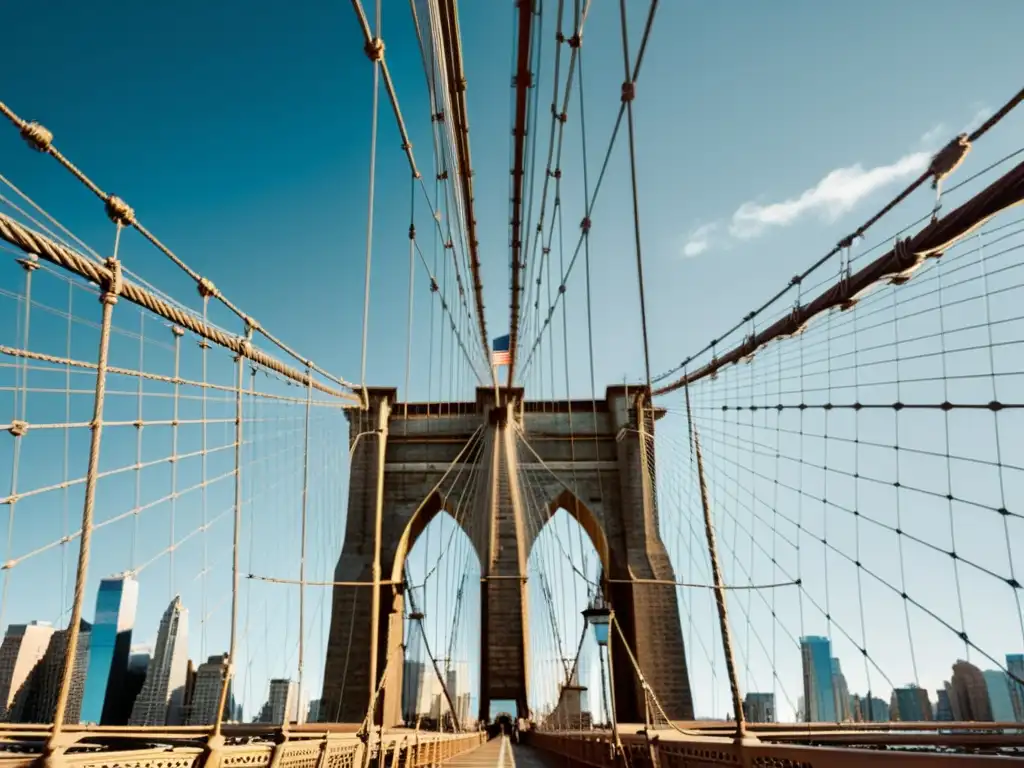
(895, 266)
(523, 83)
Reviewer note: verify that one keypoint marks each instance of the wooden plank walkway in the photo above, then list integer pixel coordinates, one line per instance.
(501, 752)
(493, 754)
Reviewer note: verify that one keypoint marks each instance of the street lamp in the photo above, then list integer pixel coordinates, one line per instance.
(600, 616)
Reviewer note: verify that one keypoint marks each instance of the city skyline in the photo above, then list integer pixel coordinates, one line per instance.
(683, 190)
(31, 660)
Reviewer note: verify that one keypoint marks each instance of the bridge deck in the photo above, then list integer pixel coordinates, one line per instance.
(492, 754)
(501, 752)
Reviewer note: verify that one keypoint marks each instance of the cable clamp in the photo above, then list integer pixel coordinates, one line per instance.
(30, 263)
(112, 288)
(207, 288)
(948, 159)
(119, 212)
(38, 136)
(374, 49)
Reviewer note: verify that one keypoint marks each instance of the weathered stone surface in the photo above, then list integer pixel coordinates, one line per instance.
(603, 464)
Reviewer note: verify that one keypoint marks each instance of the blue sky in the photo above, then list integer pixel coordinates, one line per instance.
(239, 133)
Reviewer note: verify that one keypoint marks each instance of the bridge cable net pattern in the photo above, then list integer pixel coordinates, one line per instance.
(194, 463)
(564, 576)
(207, 460)
(442, 578)
(269, 434)
(689, 546)
(861, 471)
(548, 290)
(927, 353)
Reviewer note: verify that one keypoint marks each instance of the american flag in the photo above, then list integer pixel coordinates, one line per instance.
(500, 354)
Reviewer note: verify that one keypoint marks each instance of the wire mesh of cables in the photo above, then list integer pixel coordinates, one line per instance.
(442, 573)
(563, 576)
(870, 460)
(170, 450)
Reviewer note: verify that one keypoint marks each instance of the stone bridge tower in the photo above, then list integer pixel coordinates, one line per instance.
(402, 455)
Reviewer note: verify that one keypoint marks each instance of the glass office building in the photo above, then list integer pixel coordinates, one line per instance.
(819, 692)
(999, 696)
(104, 700)
(1015, 666)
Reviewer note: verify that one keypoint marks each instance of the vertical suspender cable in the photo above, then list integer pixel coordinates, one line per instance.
(108, 298)
(375, 50)
(302, 544)
(628, 92)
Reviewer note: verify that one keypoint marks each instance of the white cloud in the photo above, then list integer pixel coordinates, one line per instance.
(699, 240)
(935, 136)
(981, 114)
(837, 193)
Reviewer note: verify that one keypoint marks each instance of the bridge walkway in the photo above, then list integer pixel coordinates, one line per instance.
(500, 752)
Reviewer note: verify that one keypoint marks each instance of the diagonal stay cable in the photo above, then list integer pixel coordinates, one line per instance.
(41, 139)
(585, 224)
(942, 164)
(895, 266)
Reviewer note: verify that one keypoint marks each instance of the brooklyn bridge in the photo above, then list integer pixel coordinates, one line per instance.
(790, 539)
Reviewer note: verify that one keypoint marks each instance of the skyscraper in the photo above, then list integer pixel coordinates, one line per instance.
(190, 689)
(1015, 666)
(759, 707)
(135, 677)
(999, 700)
(954, 702)
(313, 713)
(412, 686)
(23, 648)
(37, 701)
(819, 692)
(872, 710)
(206, 694)
(911, 704)
(283, 702)
(104, 700)
(840, 692)
(457, 682)
(943, 707)
(162, 698)
(970, 693)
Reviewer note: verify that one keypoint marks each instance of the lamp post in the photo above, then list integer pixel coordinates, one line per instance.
(600, 617)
